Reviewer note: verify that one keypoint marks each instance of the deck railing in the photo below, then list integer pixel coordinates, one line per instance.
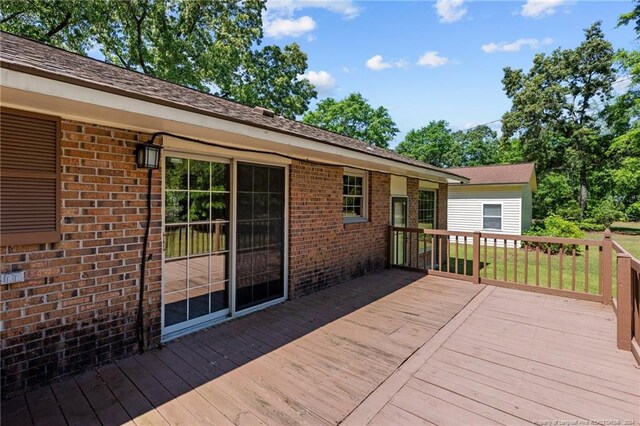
(627, 301)
(576, 268)
(568, 267)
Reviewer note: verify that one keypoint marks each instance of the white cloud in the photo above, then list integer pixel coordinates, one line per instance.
(450, 10)
(377, 63)
(322, 80)
(432, 59)
(540, 8)
(347, 8)
(284, 27)
(516, 46)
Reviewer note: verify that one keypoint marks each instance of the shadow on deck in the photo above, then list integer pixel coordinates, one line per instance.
(393, 347)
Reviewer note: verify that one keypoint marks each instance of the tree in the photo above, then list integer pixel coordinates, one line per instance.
(632, 16)
(554, 107)
(480, 146)
(209, 45)
(433, 144)
(622, 118)
(353, 116)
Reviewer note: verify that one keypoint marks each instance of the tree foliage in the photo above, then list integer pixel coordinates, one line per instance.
(554, 109)
(437, 144)
(353, 116)
(433, 144)
(210, 45)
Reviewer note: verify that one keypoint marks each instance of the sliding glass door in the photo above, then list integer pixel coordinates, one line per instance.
(260, 235)
(201, 248)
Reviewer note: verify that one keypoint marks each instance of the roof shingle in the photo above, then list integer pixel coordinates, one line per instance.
(498, 174)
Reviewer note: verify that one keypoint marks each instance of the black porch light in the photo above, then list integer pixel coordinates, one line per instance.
(148, 156)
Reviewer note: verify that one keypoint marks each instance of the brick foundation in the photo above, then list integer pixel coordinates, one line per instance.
(78, 305)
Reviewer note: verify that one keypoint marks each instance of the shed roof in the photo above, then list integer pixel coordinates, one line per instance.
(501, 174)
(31, 57)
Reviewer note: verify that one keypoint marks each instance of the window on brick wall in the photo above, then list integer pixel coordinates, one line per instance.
(426, 209)
(355, 189)
(29, 178)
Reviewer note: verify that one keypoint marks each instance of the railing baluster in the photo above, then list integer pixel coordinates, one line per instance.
(573, 268)
(504, 255)
(396, 237)
(549, 265)
(417, 250)
(485, 258)
(456, 265)
(464, 265)
(560, 265)
(526, 263)
(586, 268)
(433, 249)
(515, 262)
(404, 248)
(495, 259)
(424, 251)
(537, 266)
(440, 254)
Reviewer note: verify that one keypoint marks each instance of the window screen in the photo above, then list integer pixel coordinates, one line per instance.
(492, 216)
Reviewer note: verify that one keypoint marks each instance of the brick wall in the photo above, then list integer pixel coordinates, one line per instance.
(413, 186)
(78, 305)
(441, 208)
(323, 250)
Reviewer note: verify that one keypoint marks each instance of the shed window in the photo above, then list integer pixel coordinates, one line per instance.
(426, 209)
(29, 178)
(354, 195)
(492, 216)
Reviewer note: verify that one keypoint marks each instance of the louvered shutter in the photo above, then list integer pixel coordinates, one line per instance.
(29, 178)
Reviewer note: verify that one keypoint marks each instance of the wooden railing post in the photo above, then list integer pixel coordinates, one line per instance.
(605, 264)
(475, 257)
(623, 310)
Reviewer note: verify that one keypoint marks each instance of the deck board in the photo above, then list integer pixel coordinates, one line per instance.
(410, 349)
(525, 357)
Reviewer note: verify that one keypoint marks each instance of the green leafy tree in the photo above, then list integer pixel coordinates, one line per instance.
(622, 118)
(554, 107)
(434, 144)
(632, 17)
(555, 194)
(353, 116)
(210, 45)
(480, 146)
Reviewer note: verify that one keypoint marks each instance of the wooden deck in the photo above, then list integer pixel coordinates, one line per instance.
(390, 348)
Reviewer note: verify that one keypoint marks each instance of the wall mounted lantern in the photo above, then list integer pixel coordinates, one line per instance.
(148, 156)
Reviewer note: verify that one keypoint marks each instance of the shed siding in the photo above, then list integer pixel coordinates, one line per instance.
(465, 208)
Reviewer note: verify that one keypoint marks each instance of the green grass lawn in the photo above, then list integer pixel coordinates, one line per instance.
(554, 271)
(626, 234)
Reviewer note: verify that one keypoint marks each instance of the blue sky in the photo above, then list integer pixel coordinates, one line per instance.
(427, 60)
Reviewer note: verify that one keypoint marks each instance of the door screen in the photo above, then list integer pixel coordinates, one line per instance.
(260, 235)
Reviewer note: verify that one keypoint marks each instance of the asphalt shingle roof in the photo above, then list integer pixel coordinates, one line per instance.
(24, 55)
(498, 174)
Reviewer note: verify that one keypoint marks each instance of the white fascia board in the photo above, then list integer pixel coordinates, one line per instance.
(39, 94)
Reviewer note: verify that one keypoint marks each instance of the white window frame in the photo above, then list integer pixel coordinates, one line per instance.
(493, 203)
(364, 217)
(435, 206)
